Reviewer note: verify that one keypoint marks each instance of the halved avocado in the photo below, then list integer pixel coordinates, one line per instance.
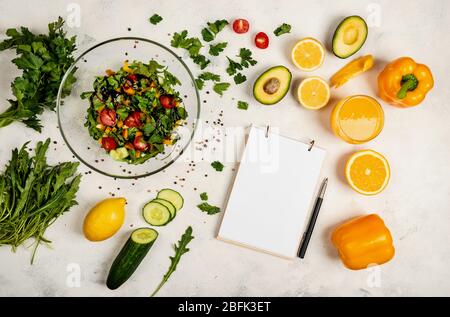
(272, 85)
(349, 36)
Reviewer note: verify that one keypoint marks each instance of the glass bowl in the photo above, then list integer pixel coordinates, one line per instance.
(72, 109)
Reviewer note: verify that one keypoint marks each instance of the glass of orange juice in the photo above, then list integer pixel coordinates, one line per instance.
(357, 119)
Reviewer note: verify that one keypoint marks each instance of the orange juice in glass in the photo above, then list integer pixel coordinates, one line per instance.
(357, 119)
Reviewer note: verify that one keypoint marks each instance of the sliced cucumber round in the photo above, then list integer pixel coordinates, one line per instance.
(174, 197)
(119, 154)
(156, 214)
(144, 235)
(169, 205)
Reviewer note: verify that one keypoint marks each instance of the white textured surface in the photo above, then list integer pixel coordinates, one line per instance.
(416, 205)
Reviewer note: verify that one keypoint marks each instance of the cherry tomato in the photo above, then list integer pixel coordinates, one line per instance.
(108, 117)
(108, 143)
(133, 120)
(132, 77)
(140, 144)
(167, 101)
(241, 26)
(262, 40)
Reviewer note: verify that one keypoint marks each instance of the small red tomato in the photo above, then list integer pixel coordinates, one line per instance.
(133, 120)
(241, 26)
(132, 77)
(167, 101)
(140, 144)
(108, 143)
(108, 117)
(262, 40)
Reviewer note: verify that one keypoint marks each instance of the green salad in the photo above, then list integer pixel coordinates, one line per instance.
(134, 111)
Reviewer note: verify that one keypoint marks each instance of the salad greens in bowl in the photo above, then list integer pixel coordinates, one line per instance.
(133, 109)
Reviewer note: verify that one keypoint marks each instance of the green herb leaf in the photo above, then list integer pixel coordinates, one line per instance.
(180, 249)
(242, 105)
(155, 19)
(33, 195)
(246, 58)
(217, 166)
(218, 48)
(219, 88)
(217, 26)
(233, 67)
(209, 209)
(180, 40)
(282, 29)
(207, 35)
(199, 83)
(201, 61)
(204, 196)
(239, 78)
(209, 76)
(44, 59)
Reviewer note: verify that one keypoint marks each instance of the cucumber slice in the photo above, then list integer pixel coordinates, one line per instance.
(169, 205)
(119, 154)
(131, 255)
(156, 214)
(174, 197)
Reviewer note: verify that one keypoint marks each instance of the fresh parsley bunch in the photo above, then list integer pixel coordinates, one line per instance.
(44, 59)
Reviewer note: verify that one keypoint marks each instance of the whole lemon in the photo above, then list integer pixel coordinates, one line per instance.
(104, 219)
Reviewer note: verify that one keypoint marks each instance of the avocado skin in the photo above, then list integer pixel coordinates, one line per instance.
(285, 86)
(336, 37)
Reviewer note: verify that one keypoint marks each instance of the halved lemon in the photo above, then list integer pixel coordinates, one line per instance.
(367, 172)
(308, 54)
(313, 93)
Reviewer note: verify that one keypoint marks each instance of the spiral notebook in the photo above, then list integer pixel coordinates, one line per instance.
(272, 195)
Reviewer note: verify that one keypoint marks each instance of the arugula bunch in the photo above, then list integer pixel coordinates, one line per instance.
(33, 195)
(180, 249)
(44, 59)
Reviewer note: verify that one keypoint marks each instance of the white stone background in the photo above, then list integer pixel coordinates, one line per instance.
(415, 206)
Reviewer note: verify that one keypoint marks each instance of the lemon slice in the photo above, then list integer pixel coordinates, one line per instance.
(308, 54)
(367, 172)
(313, 93)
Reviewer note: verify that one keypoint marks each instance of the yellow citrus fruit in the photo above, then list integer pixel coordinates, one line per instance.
(104, 219)
(313, 93)
(308, 54)
(367, 172)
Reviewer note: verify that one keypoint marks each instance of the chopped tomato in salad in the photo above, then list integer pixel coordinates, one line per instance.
(133, 112)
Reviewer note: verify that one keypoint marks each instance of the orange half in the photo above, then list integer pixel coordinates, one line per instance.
(367, 172)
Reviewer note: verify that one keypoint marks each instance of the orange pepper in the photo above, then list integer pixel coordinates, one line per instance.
(363, 241)
(404, 83)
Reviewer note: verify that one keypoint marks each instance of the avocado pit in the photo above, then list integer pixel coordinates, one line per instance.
(272, 85)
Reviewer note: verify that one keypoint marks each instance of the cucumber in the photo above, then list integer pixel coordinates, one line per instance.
(156, 214)
(169, 205)
(174, 197)
(119, 154)
(131, 255)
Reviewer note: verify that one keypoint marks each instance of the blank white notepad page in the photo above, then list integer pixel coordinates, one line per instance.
(272, 194)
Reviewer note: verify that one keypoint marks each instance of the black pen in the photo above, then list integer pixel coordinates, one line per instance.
(307, 235)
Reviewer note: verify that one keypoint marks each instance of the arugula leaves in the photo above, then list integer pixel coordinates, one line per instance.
(33, 195)
(242, 105)
(282, 29)
(218, 166)
(219, 88)
(204, 196)
(216, 49)
(209, 33)
(44, 59)
(155, 19)
(209, 209)
(180, 249)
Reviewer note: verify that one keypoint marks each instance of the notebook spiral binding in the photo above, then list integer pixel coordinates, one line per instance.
(310, 146)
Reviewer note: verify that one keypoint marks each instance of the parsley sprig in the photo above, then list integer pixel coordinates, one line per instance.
(155, 19)
(43, 59)
(193, 45)
(282, 29)
(209, 33)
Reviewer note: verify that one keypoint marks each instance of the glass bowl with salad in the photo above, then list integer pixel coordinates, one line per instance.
(133, 109)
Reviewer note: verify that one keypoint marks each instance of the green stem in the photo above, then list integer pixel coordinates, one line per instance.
(409, 83)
